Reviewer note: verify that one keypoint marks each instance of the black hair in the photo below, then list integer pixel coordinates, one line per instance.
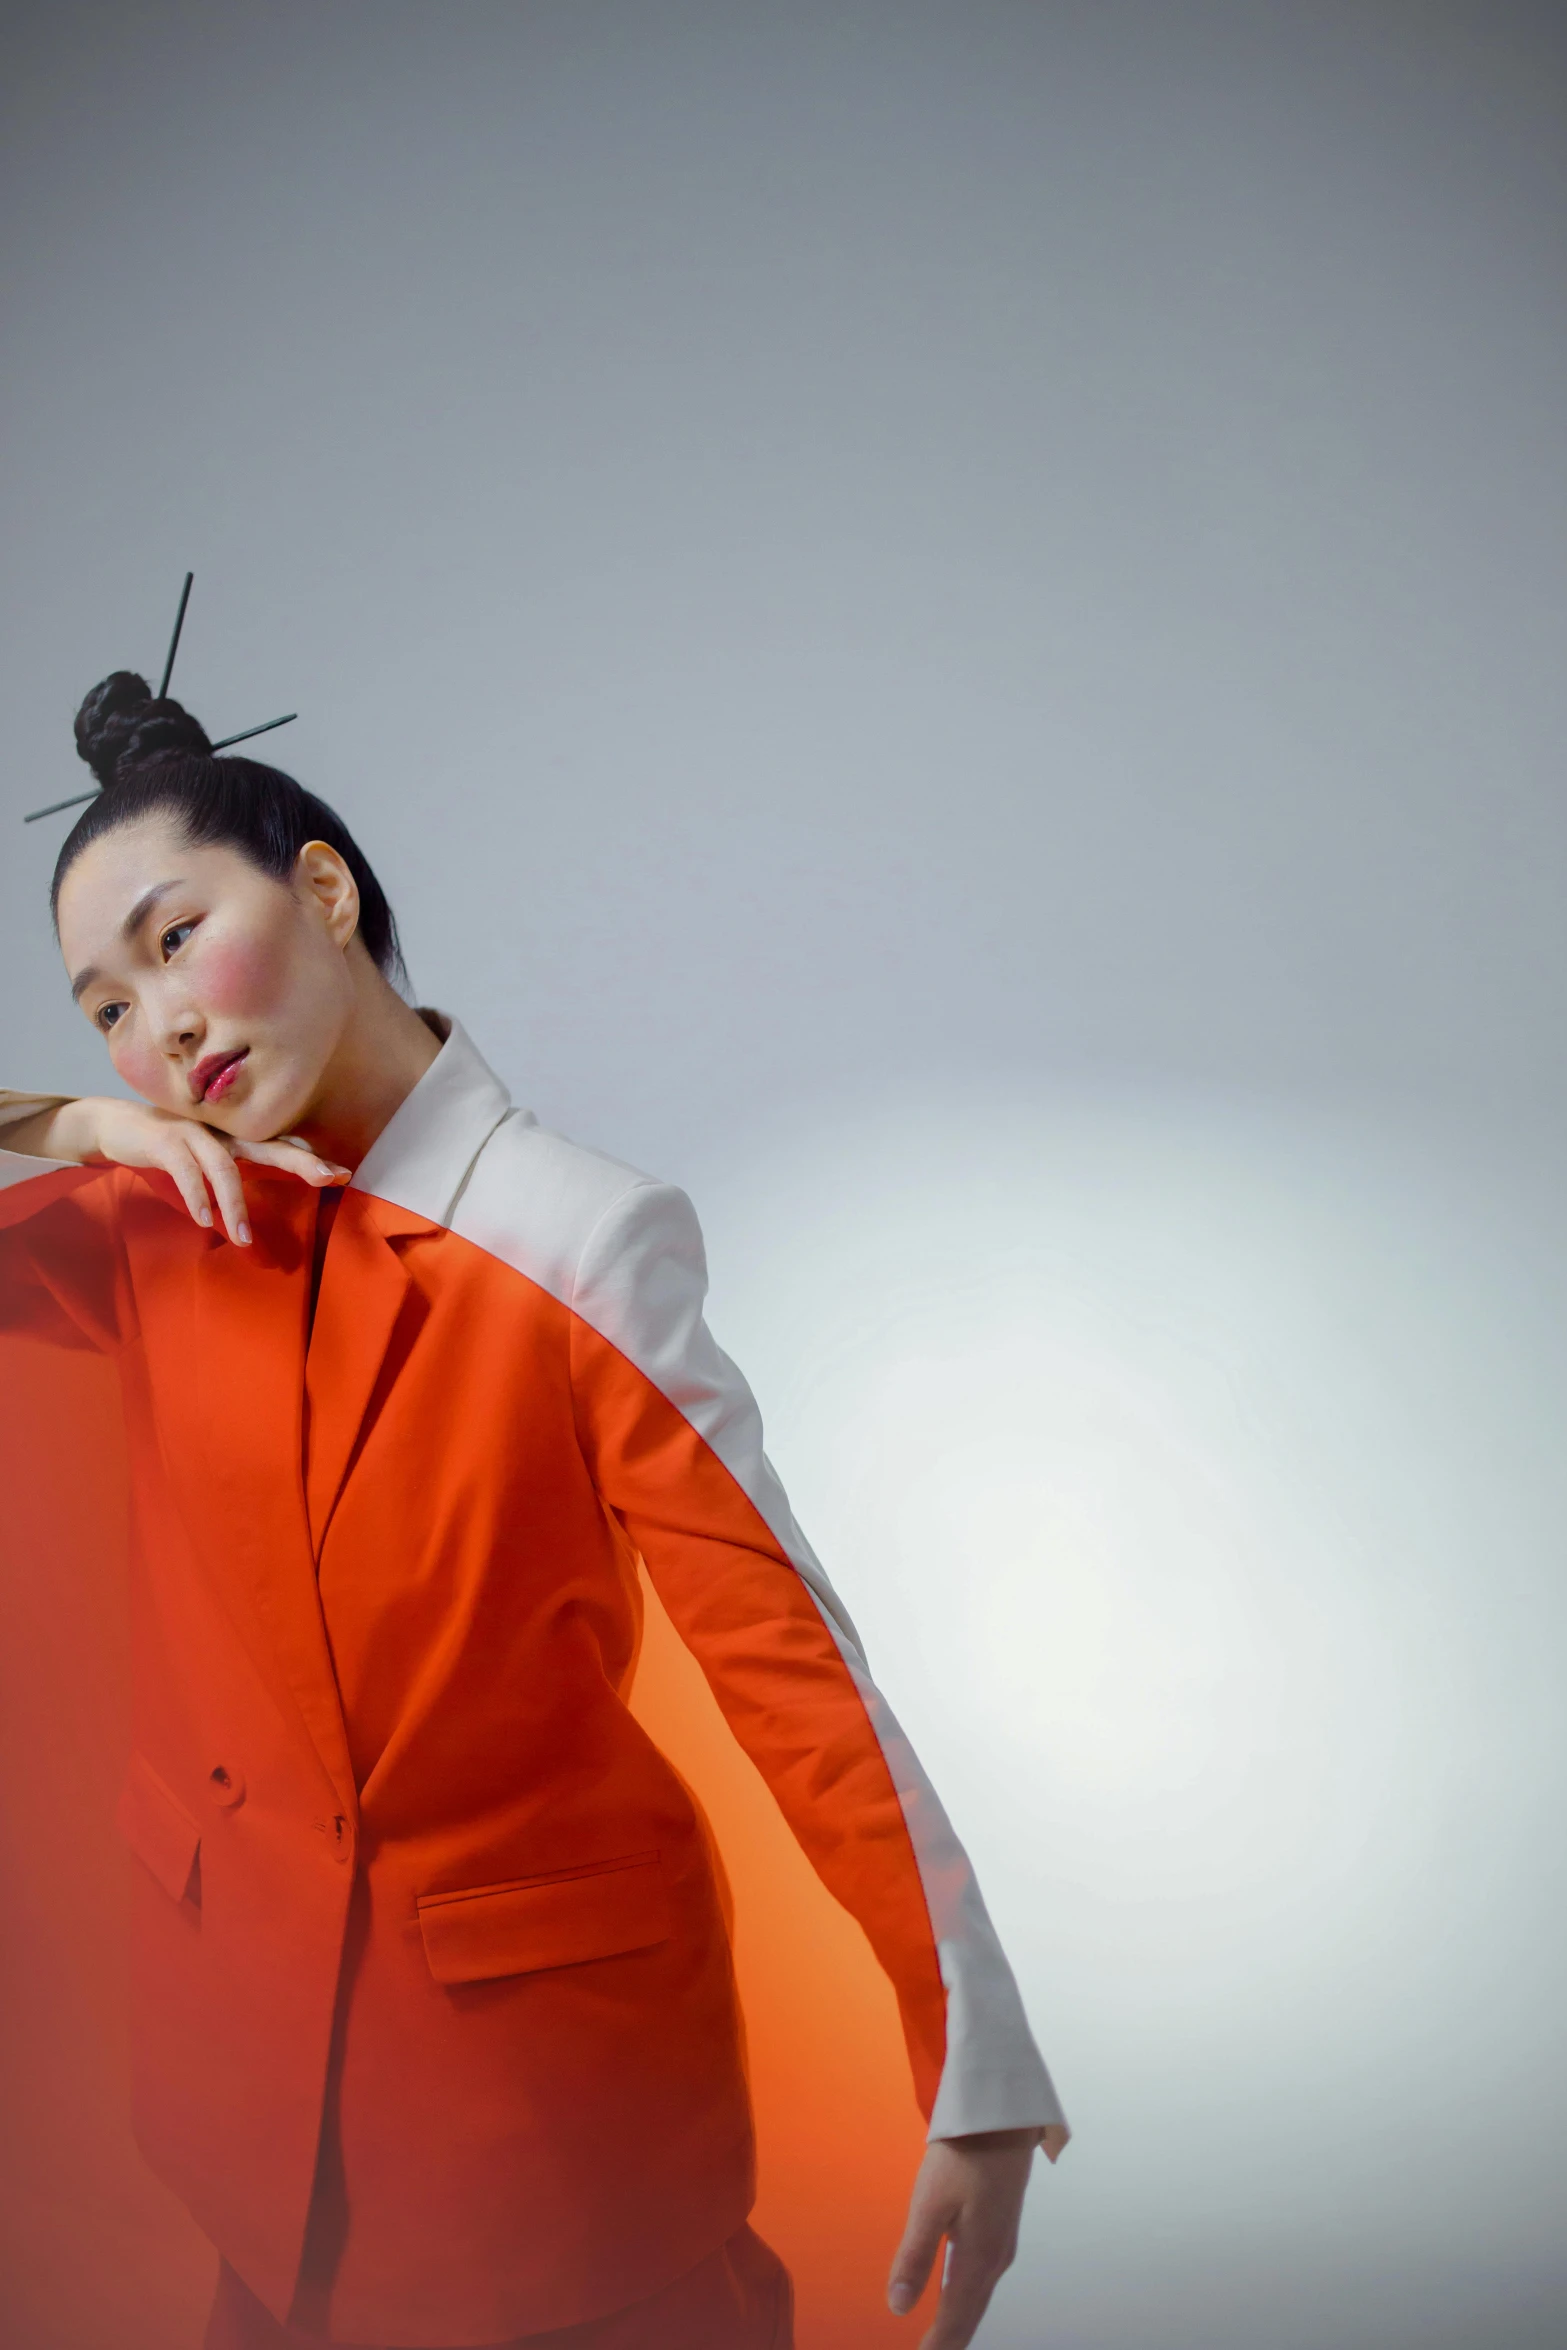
(149, 754)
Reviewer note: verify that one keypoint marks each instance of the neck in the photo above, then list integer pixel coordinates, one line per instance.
(383, 1052)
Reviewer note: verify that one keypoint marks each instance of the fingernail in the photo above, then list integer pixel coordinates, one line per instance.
(900, 2300)
(242, 1235)
(204, 1215)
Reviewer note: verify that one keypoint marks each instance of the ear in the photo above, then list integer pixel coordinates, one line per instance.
(320, 873)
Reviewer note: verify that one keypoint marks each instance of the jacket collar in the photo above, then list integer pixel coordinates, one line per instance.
(422, 1157)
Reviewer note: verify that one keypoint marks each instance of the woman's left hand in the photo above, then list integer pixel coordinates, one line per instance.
(969, 2190)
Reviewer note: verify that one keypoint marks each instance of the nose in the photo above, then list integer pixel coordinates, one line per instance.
(179, 1028)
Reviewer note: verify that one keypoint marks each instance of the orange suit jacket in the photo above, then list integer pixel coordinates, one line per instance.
(429, 1944)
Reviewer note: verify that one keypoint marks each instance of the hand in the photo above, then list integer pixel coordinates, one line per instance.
(100, 1128)
(969, 2190)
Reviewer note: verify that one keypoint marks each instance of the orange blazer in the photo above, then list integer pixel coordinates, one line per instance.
(430, 1955)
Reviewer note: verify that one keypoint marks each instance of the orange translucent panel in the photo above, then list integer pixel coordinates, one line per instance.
(839, 2134)
(92, 2248)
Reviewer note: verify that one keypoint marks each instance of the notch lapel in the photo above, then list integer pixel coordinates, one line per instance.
(404, 1187)
(364, 1289)
(250, 1307)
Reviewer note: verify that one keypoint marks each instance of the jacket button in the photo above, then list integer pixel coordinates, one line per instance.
(336, 1836)
(226, 1785)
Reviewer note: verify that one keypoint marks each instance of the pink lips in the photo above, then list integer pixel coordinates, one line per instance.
(211, 1078)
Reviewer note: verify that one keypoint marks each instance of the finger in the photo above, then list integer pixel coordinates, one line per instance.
(295, 1158)
(1054, 2140)
(188, 1180)
(915, 2256)
(217, 1164)
(973, 2273)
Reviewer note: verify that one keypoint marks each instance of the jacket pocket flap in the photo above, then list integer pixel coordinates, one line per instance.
(545, 1921)
(158, 1828)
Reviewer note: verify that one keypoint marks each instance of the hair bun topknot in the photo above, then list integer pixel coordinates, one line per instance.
(119, 726)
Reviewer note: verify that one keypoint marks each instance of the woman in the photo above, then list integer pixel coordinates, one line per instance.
(437, 2032)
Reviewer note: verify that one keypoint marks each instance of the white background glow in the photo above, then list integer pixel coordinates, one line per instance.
(1195, 1475)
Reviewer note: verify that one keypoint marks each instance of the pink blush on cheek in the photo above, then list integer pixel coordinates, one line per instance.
(145, 1070)
(241, 979)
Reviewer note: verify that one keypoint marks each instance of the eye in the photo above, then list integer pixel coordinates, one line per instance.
(179, 932)
(107, 1015)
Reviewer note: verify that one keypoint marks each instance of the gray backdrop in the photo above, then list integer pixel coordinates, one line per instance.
(944, 623)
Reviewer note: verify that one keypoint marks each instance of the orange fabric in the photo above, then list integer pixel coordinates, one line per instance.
(386, 1616)
(738, 2298)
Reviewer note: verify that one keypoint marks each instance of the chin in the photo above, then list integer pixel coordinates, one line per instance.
(269, 1109)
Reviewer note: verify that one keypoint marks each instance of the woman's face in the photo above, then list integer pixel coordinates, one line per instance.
(220, 992)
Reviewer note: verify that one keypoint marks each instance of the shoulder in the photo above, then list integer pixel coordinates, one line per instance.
(568, 1216)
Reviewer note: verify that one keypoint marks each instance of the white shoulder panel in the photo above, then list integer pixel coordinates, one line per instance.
(532, 1199)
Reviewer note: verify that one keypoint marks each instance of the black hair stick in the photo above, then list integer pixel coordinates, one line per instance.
(54, 808)
(245, 733)
(174, 641)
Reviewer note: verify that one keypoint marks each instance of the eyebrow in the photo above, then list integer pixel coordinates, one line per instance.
(128, 929)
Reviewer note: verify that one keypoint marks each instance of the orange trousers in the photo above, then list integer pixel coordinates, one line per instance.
(738, 2298)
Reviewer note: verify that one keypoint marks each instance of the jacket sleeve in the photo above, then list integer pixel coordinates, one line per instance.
(15, 1106)
(674, 1440)
(62, 1271)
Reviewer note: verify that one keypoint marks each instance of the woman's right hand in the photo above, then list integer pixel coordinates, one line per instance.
(99, 1129)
